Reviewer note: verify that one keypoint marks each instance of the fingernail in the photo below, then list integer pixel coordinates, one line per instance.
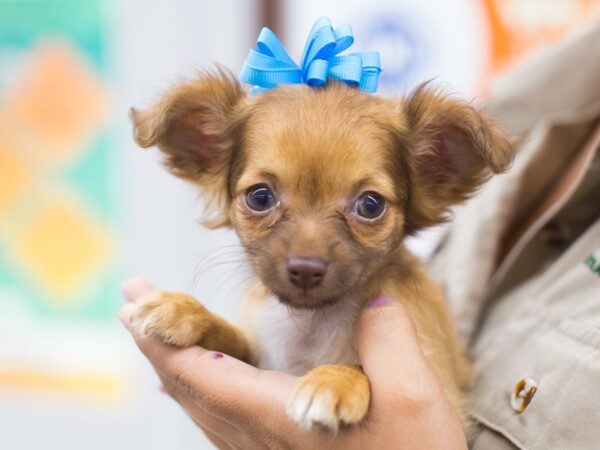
(380, 301)
(134, 288)
(124, 314)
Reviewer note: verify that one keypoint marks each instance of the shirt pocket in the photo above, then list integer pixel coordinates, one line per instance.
(563, 359)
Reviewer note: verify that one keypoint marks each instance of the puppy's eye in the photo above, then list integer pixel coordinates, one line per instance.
(260, 198)
(370, 205)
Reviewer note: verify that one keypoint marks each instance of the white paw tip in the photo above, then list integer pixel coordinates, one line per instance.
(309, 409)
(298, 405)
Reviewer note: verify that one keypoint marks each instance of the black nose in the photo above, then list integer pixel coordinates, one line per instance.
(306, 273)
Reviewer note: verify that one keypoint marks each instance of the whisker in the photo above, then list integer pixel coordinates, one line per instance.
(214, 255)
(214, 265)
(225, 275)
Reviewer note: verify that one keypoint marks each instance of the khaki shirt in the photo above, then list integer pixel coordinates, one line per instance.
(532, 323)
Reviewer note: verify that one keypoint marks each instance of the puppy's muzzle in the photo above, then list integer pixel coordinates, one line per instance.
(306, 273)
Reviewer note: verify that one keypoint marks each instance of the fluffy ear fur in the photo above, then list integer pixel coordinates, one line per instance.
(196, 126)
(452, 150)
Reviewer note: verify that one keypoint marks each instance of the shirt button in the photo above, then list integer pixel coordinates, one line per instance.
(524, 391)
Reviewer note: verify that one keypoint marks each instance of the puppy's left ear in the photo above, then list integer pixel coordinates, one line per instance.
(196, 126)
(451, 149)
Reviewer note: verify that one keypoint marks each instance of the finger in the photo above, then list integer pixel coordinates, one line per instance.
(218, 431)
(223, 385)
(258, 434)
(388, 347)
(217, 441)
(135, 288)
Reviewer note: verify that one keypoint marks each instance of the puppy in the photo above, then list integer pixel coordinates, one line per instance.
(321, 185)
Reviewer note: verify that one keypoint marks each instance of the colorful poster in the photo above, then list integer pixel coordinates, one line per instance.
(58, 194)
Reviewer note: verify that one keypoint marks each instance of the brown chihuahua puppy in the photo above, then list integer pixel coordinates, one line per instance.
(321, 185)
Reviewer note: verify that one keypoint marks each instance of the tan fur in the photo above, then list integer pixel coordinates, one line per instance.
(318, 150)
(178, 319)
(435, 330)
(330, 395)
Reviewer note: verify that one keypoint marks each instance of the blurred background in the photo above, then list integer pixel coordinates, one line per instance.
(81, 207)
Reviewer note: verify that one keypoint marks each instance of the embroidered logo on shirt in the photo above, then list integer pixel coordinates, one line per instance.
(593, 264)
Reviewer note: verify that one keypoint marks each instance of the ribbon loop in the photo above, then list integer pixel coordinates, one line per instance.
(270, 64)
(344, 38)
(317, 72)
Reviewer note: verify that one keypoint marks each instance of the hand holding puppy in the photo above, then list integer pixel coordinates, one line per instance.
(239, 406)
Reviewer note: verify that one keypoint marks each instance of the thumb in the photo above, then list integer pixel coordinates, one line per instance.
(388, 347)
(135, 288)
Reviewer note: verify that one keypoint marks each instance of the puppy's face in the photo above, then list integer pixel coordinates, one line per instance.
(322, 185)
(315, 201)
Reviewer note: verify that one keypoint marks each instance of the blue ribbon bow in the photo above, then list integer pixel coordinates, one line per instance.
(269, 64)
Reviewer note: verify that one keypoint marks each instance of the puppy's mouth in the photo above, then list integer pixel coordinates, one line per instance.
(306, 301)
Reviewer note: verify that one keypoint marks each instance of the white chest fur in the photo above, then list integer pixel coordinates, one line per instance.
(298, 340)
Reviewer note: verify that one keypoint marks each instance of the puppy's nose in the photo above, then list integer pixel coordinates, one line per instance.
(306, 273)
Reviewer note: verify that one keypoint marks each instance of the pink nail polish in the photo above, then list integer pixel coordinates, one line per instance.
(217, 355)
(380, 301)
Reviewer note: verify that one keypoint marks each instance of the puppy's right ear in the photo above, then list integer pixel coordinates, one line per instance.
(194, 126)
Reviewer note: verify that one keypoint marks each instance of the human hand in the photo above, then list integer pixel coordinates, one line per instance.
(239, 406)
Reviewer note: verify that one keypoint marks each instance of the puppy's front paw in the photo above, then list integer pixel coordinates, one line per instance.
(174, 318)
(328, 396)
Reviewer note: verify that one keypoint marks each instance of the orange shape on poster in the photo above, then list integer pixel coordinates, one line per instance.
(15, 175)
(519, 26)
(59, 101)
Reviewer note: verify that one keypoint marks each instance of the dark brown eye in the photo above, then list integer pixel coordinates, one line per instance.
(260, 198)
(370, 205)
